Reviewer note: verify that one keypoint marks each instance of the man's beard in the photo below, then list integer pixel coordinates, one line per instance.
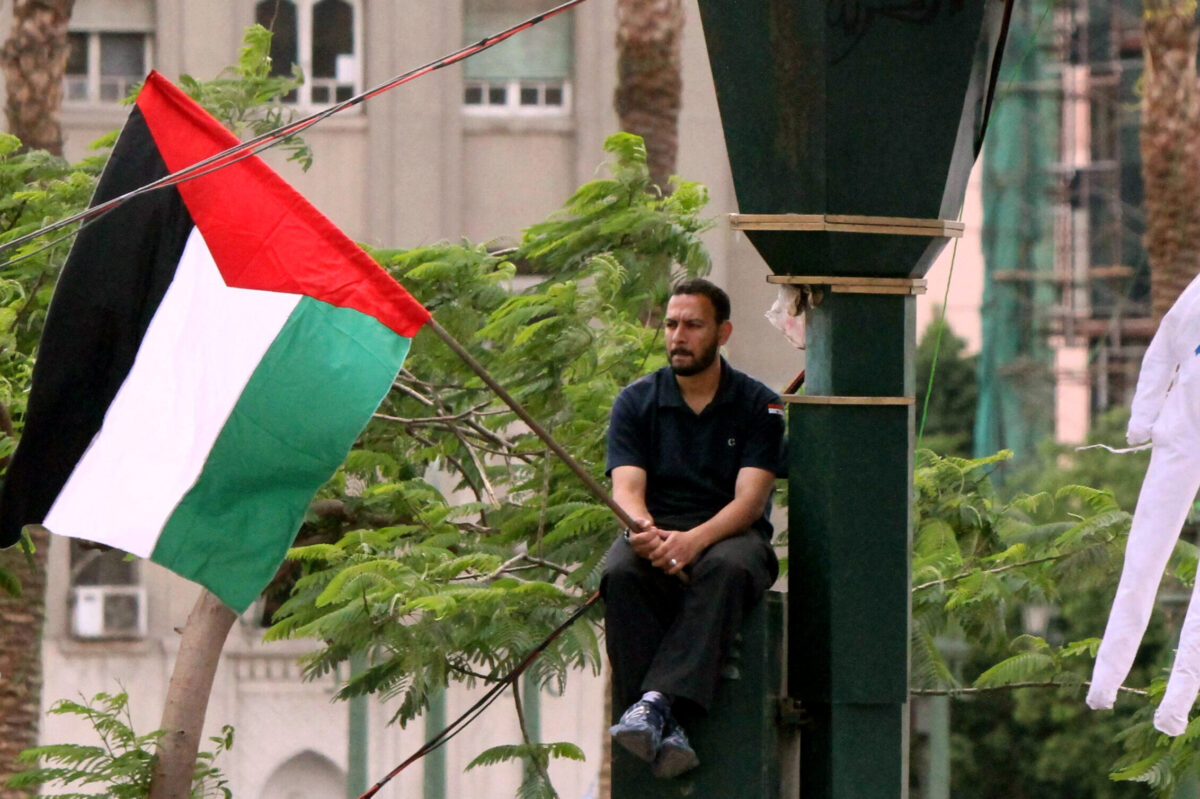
(699, 362)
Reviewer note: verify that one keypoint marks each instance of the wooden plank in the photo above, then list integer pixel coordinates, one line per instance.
(855, 285)
(801, 222)
(812, 399)
(846, 223)
(754, 220)
(901, 221)
(847, 280)
(895, 230)
(867, 289)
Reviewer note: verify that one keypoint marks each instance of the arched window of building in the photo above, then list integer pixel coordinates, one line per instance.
(308, 775)
(322, 37)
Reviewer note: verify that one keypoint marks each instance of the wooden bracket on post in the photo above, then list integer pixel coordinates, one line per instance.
(846, 223)
(855, 285)
(817, 399)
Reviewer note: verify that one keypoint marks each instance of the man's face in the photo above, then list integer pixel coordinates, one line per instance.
(692, 333)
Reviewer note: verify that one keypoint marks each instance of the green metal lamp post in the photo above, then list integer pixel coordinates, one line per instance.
(851, 127)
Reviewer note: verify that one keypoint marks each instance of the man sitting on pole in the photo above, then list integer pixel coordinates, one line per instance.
(693, 451)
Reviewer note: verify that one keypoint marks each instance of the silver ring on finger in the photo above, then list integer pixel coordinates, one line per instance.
(674, 562)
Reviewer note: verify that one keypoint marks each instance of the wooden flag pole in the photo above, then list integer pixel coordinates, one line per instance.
(541, 432)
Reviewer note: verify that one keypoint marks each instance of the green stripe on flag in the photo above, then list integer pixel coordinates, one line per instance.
(306, 403)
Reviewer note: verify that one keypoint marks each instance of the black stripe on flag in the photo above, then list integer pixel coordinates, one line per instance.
(115, 276)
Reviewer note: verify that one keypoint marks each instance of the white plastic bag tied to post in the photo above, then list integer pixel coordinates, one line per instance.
(787, 312)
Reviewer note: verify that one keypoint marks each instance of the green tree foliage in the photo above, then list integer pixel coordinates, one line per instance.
(1058, 463)
(980, 564)
(246, 97)
(976, 558)
(121, 765)
(949, 416)
(456, 572)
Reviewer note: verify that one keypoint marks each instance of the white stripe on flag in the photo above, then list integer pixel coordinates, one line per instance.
(201, 347)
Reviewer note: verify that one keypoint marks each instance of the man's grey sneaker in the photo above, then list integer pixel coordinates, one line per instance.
(640, 730)
(675, 755)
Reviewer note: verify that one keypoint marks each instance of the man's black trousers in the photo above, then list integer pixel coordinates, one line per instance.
(665, 635)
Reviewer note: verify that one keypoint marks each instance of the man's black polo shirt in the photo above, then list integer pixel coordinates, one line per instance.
(692, 460)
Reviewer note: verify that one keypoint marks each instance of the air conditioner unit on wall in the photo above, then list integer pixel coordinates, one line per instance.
(108, 612)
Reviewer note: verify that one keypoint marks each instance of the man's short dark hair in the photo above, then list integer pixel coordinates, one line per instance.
(716, 295)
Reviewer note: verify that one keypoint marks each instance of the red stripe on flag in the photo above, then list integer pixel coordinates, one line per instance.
(261, 232)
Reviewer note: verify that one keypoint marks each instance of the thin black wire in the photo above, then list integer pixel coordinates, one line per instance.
(47, 246)
(277, 136)
(92, 220)
(462, 722)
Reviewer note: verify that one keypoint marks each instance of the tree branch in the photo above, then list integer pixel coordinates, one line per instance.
(533, 758)
(997, 570)
(1011, 686)
(452, 417)
(399, 386)
(548, 564)
(507, 566)
(29, 300)
(450, 459)
(455, 666)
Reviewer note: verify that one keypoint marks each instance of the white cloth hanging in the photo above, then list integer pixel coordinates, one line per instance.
(1166, 410)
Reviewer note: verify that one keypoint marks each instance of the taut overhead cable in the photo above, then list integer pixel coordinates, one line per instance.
(274, 137)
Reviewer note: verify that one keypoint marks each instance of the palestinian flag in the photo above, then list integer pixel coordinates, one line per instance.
(211, 353)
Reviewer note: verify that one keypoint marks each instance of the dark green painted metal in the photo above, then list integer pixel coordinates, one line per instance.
(856, 107)
(861, 345)
(850, 532)
(736, 741)
(856, 254)
(851, 751)
(867, 108)
(849, 553)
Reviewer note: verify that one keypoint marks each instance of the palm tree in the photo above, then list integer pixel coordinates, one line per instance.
(34, 60)
(21, 659)
(649, 79)
(1170, 144)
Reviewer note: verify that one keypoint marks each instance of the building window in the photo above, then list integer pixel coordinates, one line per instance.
(529, 73)
(322, 37)
(104, 67)
(107, 601)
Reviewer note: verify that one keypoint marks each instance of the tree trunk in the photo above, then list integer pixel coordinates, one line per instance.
(35, 59)
(21, 621)
(649, 79)
(1170, 143)
(187, 697)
